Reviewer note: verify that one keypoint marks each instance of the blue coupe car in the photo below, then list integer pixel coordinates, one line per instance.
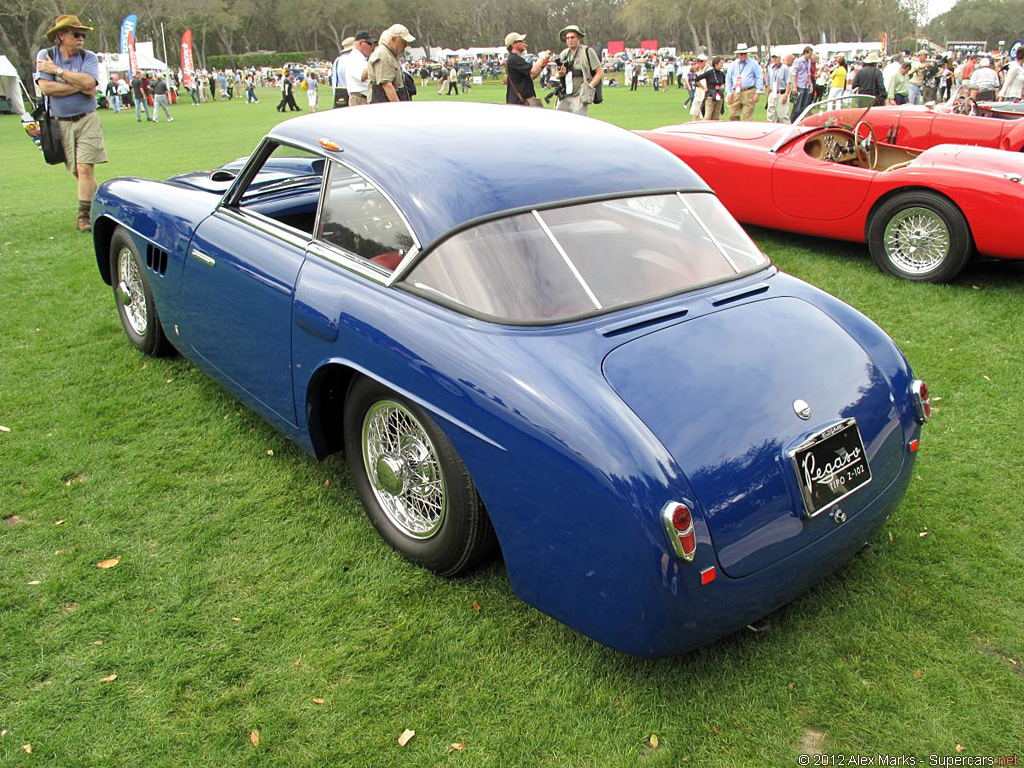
(532, 331)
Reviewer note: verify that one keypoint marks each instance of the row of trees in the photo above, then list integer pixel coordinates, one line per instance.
(991, 20)
(233, 27)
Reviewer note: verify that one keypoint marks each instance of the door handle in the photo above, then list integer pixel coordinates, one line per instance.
(207, 260)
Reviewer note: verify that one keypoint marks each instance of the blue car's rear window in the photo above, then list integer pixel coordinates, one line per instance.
(546, 266)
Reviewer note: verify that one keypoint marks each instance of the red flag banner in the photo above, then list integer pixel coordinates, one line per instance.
(186, 58)
(133, 59)
(616, 47)
(885, 43)
(648, 45)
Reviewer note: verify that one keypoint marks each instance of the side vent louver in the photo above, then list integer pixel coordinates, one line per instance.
(156, 259)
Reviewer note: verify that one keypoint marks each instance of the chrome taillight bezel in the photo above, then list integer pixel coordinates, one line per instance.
(667, 513)
(922, 402)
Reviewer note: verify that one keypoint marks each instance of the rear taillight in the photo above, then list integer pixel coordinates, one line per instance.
(678, 524)
(921, 401)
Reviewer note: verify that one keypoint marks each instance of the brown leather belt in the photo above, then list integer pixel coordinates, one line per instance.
(74, 118)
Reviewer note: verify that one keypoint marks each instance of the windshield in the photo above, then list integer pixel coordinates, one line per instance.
(553, 265)
(843, 112)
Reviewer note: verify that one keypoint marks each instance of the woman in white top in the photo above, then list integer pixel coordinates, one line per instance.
(1013, 86)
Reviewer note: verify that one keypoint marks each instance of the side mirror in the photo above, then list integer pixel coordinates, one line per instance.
(930, 105)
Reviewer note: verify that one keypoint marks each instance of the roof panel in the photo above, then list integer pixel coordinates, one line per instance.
(445, 164)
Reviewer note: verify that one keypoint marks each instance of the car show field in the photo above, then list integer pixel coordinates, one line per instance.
(155, 529)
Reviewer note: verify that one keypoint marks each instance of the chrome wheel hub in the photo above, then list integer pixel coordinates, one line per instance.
(129, 289)
(917, 240)
(404, 469)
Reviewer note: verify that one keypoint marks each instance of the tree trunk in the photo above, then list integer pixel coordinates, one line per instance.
(696, 37)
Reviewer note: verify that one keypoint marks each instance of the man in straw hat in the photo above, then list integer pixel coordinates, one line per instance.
(581, 68)
(68, 75)
(387, 83)
(869, 79)
(744, 84)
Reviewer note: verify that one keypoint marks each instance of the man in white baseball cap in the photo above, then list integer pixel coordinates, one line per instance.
(519, 75)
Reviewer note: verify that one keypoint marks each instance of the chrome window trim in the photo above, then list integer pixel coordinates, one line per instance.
(567, 260)
(709, 233)
(231, 198)
(403, 265)
(269, 226)
(350, 262)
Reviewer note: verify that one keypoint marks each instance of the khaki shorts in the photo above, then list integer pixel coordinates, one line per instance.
(83, 142)
(356, 99)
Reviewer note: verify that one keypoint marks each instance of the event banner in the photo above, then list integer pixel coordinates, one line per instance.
(128, 41)
(616, 47)
(648, 45)
(186, 58)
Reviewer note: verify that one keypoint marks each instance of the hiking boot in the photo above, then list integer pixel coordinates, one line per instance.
(83, 224)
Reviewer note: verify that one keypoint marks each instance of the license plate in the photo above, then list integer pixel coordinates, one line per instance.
(830, 465)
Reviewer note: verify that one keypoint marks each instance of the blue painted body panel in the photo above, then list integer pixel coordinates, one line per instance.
(573, 467)
(744, 481)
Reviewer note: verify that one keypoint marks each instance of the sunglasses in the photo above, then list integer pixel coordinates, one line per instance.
(79, 35)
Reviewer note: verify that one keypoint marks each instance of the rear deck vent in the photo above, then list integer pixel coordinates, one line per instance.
(729, 298)
(637, 323)
(156, 259)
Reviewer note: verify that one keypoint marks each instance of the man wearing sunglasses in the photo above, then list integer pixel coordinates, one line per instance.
(68, 77)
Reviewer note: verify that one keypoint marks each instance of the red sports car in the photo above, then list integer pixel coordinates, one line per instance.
(961, 120)
(923, 213)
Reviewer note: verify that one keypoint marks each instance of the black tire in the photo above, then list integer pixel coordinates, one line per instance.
(417, 492)
(133, 297)
(921, 236)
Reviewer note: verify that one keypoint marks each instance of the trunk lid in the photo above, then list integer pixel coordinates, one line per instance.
(719, 391)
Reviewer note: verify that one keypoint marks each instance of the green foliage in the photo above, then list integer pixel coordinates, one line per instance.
(275, 59)
(990, 20)
(250, 585)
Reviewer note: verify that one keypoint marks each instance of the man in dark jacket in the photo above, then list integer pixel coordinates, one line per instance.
(869, 80)
(139, 94)
(519, 74)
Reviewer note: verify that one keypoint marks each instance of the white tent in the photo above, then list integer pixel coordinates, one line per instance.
(147, 59)
(11, 87)
(827, 50)
(118, 62)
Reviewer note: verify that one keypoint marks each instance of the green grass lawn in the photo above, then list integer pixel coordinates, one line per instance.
(250, 586)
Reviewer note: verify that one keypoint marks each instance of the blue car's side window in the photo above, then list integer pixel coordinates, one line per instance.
(286, 188)
(358, 218)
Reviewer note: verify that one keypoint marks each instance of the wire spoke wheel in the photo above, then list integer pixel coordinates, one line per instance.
(131, 292)
(919, 235)
(133, 296)
(917, 240)
(404, 469)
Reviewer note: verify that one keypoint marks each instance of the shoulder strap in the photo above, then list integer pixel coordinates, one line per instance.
(509, 75)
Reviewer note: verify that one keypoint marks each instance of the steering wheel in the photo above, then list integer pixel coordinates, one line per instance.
(865, 145)
(964, 105)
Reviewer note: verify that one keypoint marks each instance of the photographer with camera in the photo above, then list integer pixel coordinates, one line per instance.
(519, 74)
(581, 71)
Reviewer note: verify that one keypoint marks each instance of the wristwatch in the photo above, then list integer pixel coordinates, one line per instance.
(60, 73)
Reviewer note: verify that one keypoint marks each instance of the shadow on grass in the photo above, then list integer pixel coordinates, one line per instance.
(988, 273)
